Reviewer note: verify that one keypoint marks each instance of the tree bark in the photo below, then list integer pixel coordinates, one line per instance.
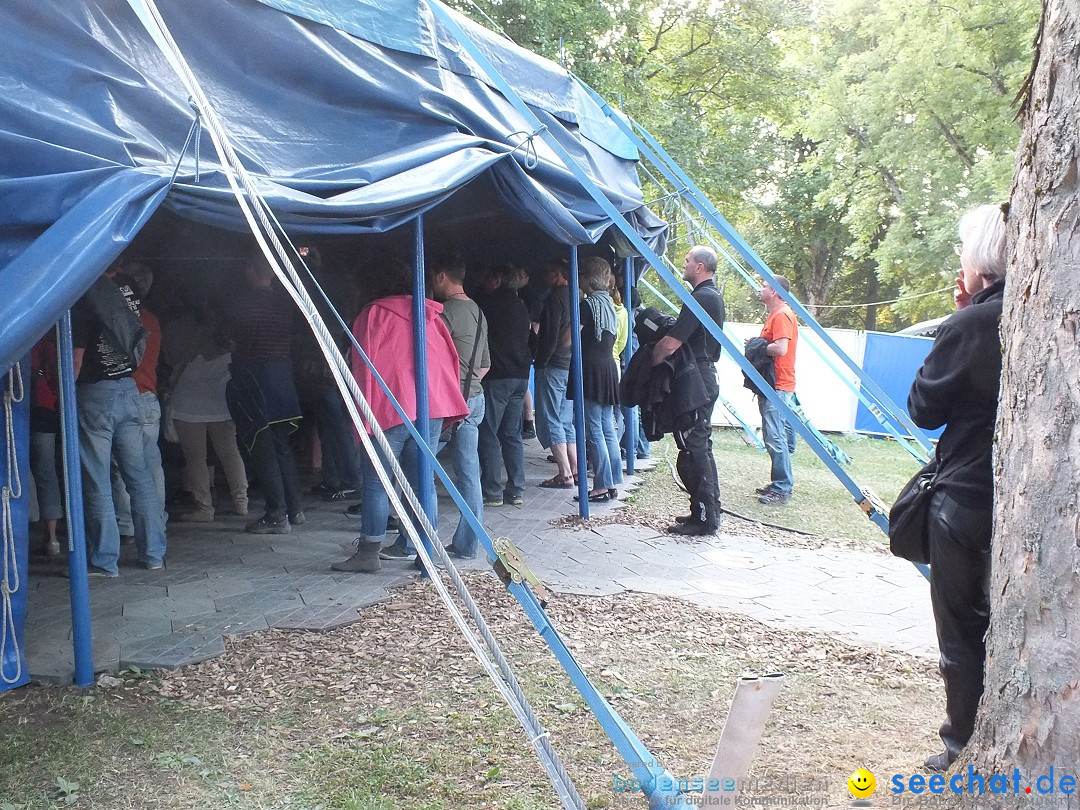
(1030, 715)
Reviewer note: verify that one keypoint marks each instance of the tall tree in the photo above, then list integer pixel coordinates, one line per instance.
(1030, 716)
(908, 103)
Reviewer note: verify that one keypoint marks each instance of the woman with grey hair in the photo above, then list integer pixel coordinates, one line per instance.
(957, 387)
(600, 378)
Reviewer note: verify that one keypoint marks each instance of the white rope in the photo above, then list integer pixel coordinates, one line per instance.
(261, 228)
(10, 581)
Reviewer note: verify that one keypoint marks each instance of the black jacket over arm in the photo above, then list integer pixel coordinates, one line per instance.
(958, 387)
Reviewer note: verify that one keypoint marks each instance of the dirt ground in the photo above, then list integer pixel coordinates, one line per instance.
(395, 712)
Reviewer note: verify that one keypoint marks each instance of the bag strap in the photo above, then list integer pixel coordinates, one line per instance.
(472, 360)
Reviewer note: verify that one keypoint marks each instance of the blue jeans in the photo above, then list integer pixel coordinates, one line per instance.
(341, 463)
(274, 466)
(46, 479)
(775, 432)
(641, 447)
(110, 422)
(464, 454)
(554, 412)
(602, 444)
(376, 502)
(500, 439)
(150, 419)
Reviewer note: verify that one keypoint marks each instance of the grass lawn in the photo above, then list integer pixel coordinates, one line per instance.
(393, 712)
(820, 504)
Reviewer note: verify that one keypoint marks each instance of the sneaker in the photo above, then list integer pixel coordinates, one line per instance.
(340, 495)
(52, 548)
(762, 490)
(396, 552)
(266, 526)
(298, 519)
(513, 500)
(491, 503)
(151, 566)
(773, 497)
(355, 511)
(94, 572)
(321, 490)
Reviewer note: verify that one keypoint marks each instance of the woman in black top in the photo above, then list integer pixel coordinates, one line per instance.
(600, 378)
(957, 387)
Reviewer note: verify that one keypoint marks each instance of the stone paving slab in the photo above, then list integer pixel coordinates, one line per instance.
(221, 582)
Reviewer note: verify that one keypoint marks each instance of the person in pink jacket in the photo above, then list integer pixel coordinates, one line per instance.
(384, 329)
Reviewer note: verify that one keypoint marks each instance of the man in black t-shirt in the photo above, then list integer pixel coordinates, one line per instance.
(110, 424)
(696, 463)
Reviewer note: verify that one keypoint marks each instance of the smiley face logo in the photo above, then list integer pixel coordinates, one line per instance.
(861, 783)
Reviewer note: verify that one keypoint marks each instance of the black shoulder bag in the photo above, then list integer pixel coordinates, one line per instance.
(910, 515)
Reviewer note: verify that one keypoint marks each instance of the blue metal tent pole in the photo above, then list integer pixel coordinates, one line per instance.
(579, 388)
(650, 255)
(81, 638)
(629, 414)
(717, 220)
(425, 483)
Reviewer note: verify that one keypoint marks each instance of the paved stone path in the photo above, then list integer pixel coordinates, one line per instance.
(221, 581)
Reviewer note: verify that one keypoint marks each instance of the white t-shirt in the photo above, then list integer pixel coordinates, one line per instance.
(199, 394)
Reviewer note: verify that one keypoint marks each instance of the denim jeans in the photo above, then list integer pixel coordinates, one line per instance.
(110, 422)
(274, 467)
(376, 502)
(500, 439)
(46, 479)
(150, 420)
(464, 453)
(641, 447)
(341, 461)
(602, 444)
(775, 434)
(554, 412)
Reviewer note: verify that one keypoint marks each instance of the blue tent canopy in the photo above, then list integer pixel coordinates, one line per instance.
(354, 115)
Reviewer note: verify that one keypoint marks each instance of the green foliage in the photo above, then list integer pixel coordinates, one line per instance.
(844, 139)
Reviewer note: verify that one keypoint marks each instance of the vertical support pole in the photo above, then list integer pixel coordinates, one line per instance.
(579, 388)
(426, 489)
(81, 639)
(629, 414)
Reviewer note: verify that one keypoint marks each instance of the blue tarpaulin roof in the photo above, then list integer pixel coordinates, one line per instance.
(354, 115)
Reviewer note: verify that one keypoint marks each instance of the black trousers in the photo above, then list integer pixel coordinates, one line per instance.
(696, 464)
(275, 470)
(959, 592)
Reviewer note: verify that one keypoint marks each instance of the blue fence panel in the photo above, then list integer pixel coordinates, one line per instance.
(891, 361)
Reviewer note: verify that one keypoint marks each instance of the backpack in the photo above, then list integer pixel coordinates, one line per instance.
(120, 325)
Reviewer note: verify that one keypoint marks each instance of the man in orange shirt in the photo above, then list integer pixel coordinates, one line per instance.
(782, 332)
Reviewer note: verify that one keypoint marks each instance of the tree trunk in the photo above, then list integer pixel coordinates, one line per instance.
(1030, 715)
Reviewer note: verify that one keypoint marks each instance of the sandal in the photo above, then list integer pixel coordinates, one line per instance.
(559, 482)
(599, 497)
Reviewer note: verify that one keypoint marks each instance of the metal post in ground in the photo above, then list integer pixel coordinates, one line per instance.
(579, 388)
(81, 638)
